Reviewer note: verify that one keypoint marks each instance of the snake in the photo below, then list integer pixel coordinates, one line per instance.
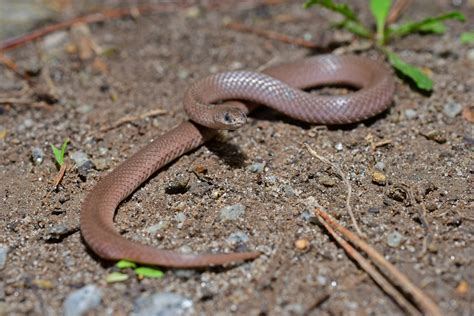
(223, 101)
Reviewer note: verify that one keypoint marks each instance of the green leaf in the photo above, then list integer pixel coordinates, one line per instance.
(124, 264)
(116, 277)
(420, 79)
(467, 38)
(380, 9)
(355, 28)
(429, 25)
(59, 153)
(343, 9)
(149, 272)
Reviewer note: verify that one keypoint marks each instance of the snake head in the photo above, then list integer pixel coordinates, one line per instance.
(230, 118)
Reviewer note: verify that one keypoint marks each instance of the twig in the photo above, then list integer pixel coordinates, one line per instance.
(422, 216)
(10, 64)
(425, 303)
(132, 118)
(91, 18)
(239, 27)
(59, 176)
(397, 9)
(369, 268)
(346, 182)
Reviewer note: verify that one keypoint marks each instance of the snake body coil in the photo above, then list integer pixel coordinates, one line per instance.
(277, 87)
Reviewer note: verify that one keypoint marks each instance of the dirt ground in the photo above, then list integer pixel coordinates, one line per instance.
(428, 152)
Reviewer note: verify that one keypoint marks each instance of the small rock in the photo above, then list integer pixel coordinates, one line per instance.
(394, 239)
(270, 180)
(236, 239)
(339, 147)
(82, 161)
(380, 165)
(193, 12)
(162, 304)
(180, 218)
(153, 229)
(37, 155)
(232, 212)
(55, 40)
(3, 256)
(101, 164)
(302, 244)
(437, 136)
(379, 178)
(327, 181)
(256, 167)
(410, 114)
(179, 184)
(309, 217)
(289, 191)
(183, 74)
(470, 54)
(80, 301)
(452, 109)
(58, 232)
(28, 123)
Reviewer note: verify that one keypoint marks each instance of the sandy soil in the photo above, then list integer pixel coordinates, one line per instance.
(154, 58)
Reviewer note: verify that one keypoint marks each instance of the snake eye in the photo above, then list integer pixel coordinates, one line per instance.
(230, 118)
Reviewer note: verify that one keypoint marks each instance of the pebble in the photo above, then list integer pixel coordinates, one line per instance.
(394, 239)
(82, 161)
(470, 54)
(162, 304)
(256, 167)
(180, 218)
(452, 109)
(58, 232)
(339, 147)
(308, 216)
(380, 165)
(237, 238)
(179, 184)
(37, 154)
(379, 178)
(410, 114)
(327, 181)
(3, 256)
(289, 191)
(270, 180)
(232, 212)
(80, 301)
(153, 229)
(302, 244)
(183, 74)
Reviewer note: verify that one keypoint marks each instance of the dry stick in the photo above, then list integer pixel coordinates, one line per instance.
(271, 35)
(90, 18)
(131, 118)
(370, 269)
(10, 64)
(425, 303)
(346, 182)
(397, 10)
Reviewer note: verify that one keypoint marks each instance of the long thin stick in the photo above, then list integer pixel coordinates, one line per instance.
(425, 303)
(91, 18)
(371, 270)
(271, 35)
(346, 182)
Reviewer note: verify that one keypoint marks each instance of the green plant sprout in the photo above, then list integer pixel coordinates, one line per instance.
(385, 33)
(141, 272)
(467, 37)
(59, 153)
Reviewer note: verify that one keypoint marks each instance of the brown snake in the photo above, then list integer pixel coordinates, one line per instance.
(277, 87)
